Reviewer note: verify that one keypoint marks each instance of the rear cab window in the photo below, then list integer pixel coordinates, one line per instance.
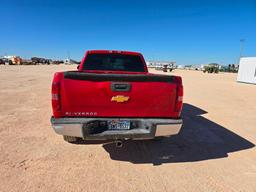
(114, 62)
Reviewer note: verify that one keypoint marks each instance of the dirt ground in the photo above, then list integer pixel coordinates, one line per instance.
(215, 150)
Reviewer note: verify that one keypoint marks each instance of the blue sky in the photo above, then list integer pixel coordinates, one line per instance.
(189, 32)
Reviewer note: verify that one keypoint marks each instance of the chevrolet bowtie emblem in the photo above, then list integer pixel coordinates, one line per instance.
(120, 98)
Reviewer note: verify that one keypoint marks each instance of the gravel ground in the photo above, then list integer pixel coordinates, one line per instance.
(214, 151)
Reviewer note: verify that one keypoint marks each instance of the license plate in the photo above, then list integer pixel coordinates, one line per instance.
(118, 125)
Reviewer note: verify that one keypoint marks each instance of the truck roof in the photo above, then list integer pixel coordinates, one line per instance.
(113, 51)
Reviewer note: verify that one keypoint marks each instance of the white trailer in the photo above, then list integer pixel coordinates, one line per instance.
(247, 70)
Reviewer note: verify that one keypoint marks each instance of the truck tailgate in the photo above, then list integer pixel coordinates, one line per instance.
(111, 95)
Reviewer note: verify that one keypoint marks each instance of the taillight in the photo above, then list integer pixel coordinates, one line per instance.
(56, 102)
(179, 95)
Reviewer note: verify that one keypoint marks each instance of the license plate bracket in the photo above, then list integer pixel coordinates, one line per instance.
(119, 125)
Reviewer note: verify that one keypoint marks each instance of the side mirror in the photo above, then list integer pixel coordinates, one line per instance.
(77, 66)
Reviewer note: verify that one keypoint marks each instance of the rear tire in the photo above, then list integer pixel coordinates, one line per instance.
(160, 138)
(70, 139)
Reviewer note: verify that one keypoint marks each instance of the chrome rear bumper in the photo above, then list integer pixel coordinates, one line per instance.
(146, 128)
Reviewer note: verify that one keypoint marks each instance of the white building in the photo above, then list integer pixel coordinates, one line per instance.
(160, 63)
(247, 70)
(180, 66)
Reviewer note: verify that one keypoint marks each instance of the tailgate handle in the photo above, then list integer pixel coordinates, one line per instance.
(120, 86)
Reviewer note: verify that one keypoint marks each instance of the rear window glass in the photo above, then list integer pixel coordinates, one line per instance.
(114, 62)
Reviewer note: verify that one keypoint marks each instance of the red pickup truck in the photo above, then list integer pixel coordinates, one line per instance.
(112, 96)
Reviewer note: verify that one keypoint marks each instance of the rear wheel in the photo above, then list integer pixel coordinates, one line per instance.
(70, 139)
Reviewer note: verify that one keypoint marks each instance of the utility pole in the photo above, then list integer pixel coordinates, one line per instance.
(241, 47)
(68, 55)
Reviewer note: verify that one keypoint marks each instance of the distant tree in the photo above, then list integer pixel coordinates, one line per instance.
(229, 67)
(233, 68)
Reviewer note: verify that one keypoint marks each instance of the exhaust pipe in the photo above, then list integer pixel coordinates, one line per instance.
(119, 143)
